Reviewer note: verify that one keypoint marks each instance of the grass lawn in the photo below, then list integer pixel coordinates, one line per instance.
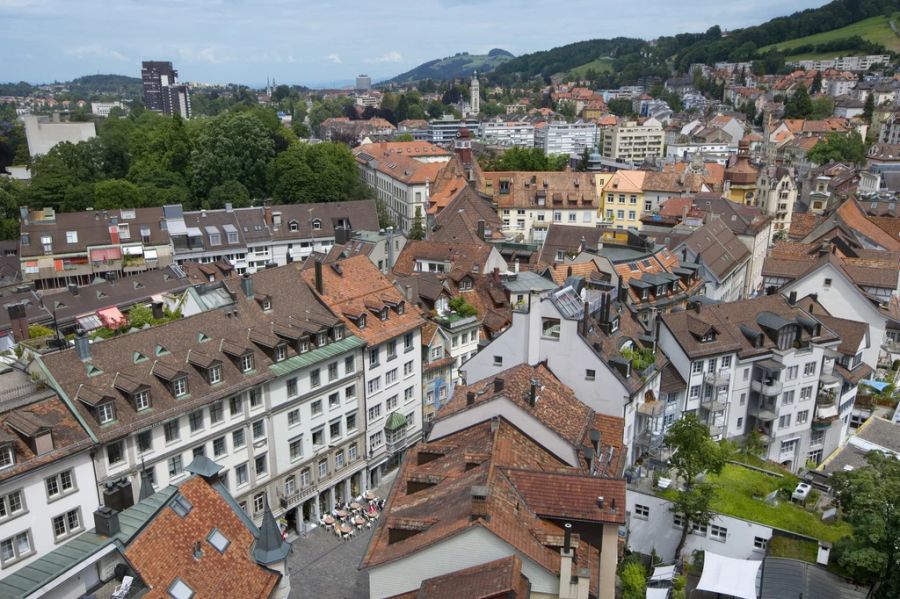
(873, 29)
(600, 65)
(794, 548)
(737, 489)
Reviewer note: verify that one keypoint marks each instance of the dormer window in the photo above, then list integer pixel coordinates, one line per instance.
(267, 304)
(247, 362)
(660, 290)
(180, 386)
(465, 285)
(294, 226)
(304, 345)
(142, 399)
(214, 374)
(709, 336)
(401, 307)
(106, 412)
(361, 322)
(321, 338)
(338, 332)
(7, 456)
(316, 224)
(644, 294)
(383, 314)
(280, 353)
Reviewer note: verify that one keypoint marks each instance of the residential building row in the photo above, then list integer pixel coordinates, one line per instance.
(60, 249)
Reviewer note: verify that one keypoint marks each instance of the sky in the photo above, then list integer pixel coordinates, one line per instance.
(324, 42)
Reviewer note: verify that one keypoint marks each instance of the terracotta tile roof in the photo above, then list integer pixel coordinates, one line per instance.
(717, 248)
(557, 407)
(149, 356)
(732, 322)
(624, 181)
(564, 189)
(803, 223)
(464, 257)
(499, 578)
(164, 549)
(852, 215)
(560, 271)
(889, 225)
(458, 221)
(471, 459)
(31, 409)
(851, 332)
(398, 160)
(354, 286)
(570, 496)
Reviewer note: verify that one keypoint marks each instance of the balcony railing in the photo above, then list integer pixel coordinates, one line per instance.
(770, 388)
(714, 403)
(717, 379)
(764, 411)
(829, 381)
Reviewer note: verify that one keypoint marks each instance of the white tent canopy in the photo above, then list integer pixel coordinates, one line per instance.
(663, 573)
(729, 576)
(658, 593)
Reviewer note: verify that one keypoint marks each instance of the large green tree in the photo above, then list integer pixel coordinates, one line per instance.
(117, 193)
(526, 159)
(868, 498)
(324, 172)
(799, 105)
(232, 146)
(839, 147)
(693, 453)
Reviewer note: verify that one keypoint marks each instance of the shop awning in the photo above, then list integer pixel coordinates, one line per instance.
(150, 254)
(663, 573)
(105, 254)
(133, 250)
(729, 576)
(112, 318)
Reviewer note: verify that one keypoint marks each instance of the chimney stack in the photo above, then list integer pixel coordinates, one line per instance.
(567, 537)
(320, 285)
(82, 345)
(532, 393)
(470, 398)
(18, 321)
(267, 214)
(106, 521)
(247, 285)
(792, 298)
(390, 250)
(498, 385)
(601, 502)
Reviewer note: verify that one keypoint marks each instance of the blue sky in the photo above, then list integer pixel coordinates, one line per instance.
(324, 42)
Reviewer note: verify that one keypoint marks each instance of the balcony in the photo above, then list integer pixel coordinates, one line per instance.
(454, 321)
(716, 403)
(829, 381)
(826, 398)
(763, 411)
(825, 415)
(767, 388)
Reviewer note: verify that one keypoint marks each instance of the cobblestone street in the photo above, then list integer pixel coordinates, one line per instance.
(325, 567)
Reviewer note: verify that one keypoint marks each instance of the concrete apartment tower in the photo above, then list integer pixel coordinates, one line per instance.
(162, 93)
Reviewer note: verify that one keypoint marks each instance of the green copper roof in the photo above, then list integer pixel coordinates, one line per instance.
(395, 421)
(56, 563)
(317, 355)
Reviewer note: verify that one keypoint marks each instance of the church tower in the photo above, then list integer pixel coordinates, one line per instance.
(475, 99)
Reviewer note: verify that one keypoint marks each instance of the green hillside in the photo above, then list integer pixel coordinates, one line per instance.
(874, 29)
(600, 65)
(452, 67)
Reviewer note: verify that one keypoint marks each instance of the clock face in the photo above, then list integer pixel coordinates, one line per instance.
(749, 195)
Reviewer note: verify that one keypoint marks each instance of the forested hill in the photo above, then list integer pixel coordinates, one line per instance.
(452, 67)
(87, 87)
(633, 58)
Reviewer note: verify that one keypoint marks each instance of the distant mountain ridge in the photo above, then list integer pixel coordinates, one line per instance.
(452, 67)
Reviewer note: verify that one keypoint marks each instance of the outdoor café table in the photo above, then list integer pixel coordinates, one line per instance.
(346, 528)
(355, 506)
(370, 495)
(359, 520)
(342, 513)
(329, 520)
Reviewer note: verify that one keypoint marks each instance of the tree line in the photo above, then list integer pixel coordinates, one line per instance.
(145, 159)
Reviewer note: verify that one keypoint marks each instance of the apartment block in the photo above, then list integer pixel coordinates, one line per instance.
(631, 142)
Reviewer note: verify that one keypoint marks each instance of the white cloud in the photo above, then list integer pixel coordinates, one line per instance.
(207, 55)
(392, 56)
(334, 58)
(93, 51)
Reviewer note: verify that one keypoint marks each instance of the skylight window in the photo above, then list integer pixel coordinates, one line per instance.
(218, 540)
(182, 507)
(179, 590)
